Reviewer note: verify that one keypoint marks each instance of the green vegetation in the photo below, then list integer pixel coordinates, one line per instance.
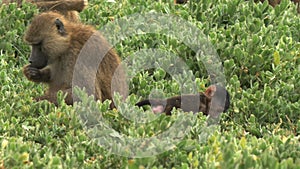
(258, 45)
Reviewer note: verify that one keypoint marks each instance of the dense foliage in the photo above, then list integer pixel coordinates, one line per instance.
(258, 45)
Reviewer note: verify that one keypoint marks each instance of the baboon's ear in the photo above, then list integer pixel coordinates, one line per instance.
(211, 90)
(60, 26)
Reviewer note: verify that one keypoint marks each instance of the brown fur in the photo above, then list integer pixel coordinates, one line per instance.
(62, 48)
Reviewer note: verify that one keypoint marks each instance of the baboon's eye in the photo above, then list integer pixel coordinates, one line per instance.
(40, 43)
(60, 26)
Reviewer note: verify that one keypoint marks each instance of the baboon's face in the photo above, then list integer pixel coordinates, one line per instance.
(38, 58)
(220, 100)
(48, 38)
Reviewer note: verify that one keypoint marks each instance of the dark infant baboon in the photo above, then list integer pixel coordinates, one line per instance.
(180, 1)
(69, 8)
(56, 43)
(213, 101)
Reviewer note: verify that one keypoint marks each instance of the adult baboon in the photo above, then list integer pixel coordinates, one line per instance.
(56, 43)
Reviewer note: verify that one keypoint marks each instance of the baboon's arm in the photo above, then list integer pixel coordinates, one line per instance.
(37, 75)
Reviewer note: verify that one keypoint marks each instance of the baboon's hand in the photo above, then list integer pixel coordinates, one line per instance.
(35, 74)
(32, 73)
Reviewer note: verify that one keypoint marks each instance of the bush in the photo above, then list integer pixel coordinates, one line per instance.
(259, 49)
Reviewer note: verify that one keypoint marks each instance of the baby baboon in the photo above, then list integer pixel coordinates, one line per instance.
(56, 43)
(213, 101)
(69, 8)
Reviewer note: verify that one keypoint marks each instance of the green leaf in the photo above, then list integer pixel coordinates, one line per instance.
(276, 58)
